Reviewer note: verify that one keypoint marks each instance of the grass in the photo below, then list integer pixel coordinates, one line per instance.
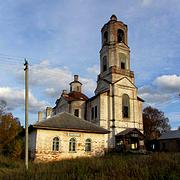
(113, 166)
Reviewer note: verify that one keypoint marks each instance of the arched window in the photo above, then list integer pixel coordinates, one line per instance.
(88, 145)
(55, 146)
(120, 36)
(125, 106)
(105, 37)
(72, 145)
(122, 61)
(104, 63)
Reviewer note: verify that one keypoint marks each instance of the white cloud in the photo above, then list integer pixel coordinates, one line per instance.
(94, 69)
(170, 83)
(53, 79)
(89, 85)
(51, 92)
(162, 91)
(153, 96)
(15, 99)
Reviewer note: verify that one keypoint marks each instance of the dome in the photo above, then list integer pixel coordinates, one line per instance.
(113, 17)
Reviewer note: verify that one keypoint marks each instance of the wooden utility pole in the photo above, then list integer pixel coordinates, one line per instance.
(26, 113)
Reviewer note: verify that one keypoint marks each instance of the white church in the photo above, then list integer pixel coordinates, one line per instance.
(79, 126)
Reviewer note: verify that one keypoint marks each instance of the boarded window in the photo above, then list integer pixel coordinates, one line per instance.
(76, 112)
(125, 106)
(72, 145)
(88, 145)
(55, 146)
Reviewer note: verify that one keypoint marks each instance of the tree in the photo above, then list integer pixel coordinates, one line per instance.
(155, 123)
(9, 134)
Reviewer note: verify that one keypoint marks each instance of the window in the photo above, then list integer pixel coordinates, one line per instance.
(122, 65)
(120, 36)
(72, 145)
(105, 37)
(125, 106)
(95, 111)
(104, 63)
(122, 61)
(76, 112)
(92, 113)
(55, 146)
(88, 145)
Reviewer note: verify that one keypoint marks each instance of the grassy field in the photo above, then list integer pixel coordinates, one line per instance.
(113, 166)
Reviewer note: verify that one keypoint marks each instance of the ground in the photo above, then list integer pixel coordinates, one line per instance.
(112, 166)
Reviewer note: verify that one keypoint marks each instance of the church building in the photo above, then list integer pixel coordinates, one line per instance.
(110, 120)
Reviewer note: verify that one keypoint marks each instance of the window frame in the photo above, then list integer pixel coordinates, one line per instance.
(72, 145)
(88, 145)
(56, 144)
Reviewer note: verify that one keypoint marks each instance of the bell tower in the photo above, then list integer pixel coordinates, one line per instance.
(114, 53)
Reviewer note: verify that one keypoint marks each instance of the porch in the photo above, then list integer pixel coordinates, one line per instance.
(130, 139)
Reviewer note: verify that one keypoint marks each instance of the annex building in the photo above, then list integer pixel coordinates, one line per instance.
(111, 119)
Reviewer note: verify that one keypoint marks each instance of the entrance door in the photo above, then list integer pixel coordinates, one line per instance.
(134, 143)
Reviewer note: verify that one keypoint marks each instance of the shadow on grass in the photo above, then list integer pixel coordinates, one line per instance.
(112, 166)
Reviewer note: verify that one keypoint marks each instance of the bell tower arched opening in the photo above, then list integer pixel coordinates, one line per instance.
(105, 37)
(120, 36)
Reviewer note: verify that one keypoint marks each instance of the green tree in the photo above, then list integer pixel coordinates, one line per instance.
(155, 123)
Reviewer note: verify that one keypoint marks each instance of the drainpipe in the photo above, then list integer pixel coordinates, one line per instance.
(113, 116)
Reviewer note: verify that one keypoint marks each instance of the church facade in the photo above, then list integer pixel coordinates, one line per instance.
(116, 106)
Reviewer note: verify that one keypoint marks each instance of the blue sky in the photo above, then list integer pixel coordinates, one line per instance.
(60, 38)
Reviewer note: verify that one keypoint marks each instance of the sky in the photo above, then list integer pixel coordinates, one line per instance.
(60, 38)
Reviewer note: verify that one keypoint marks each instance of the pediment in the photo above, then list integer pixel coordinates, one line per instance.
(125, 82)
(102, 86)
